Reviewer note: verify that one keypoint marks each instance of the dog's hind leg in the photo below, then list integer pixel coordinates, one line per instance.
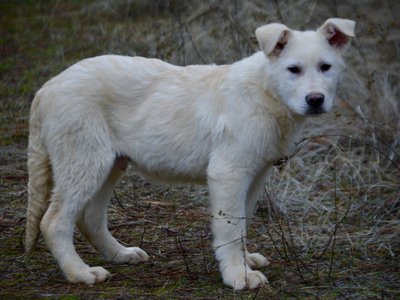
(81, 163)
(93, 222)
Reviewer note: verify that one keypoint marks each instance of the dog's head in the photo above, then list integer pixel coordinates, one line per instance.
(305, 65)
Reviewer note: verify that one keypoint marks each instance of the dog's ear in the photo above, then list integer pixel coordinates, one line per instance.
(273, 38)
(338, 32)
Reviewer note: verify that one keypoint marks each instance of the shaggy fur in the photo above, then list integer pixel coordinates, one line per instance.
(224, 126)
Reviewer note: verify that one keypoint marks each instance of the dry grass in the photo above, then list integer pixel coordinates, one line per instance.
(329, 218)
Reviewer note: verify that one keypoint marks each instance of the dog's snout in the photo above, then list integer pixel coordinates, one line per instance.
(315, 100)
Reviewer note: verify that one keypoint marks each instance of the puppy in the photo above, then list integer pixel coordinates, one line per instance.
(223, 126)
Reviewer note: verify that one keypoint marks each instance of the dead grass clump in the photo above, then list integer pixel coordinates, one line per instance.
(333, 212)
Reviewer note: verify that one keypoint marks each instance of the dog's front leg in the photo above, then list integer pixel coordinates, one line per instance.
(228, 191)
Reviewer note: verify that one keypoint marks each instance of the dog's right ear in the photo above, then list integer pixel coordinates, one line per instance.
(272, 38)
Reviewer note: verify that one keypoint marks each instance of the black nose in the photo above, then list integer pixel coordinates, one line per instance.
(315, 100)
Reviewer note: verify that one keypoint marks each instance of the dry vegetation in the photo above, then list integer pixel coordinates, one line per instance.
(330, 217)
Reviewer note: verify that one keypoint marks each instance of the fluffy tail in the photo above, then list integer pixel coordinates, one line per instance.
(40, 178)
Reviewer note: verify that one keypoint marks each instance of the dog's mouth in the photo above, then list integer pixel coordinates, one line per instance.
(315, 111)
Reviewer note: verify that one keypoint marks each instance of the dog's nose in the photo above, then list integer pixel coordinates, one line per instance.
(315, 100)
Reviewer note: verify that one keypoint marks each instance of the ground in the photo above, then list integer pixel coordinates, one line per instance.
(328, 220)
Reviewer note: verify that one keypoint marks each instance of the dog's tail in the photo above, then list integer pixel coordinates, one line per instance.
(40, 177)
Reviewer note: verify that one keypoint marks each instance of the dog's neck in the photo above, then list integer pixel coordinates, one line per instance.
(245, 75)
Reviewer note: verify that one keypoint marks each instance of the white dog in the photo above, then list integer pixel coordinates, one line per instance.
(220, 125)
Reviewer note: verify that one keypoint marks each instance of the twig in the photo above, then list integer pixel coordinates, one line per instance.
(118, 201)
(278, 10)
(244, 257)
(183, 252)
(296, 258)
(234, 21)
(337, 222)
(186, 27)
(336, 225)
(284, 254)
(207, 269)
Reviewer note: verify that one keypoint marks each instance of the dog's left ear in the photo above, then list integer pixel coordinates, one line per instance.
(338, 32)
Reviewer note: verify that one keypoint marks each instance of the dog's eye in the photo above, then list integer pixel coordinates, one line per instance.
(325, 67)
(294, 70)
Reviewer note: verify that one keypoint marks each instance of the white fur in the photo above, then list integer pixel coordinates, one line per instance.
(224, 126)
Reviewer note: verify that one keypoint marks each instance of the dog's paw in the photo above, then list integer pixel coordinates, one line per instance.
(256, 260)
(130, 255)
(89, 275)
(242, 277)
